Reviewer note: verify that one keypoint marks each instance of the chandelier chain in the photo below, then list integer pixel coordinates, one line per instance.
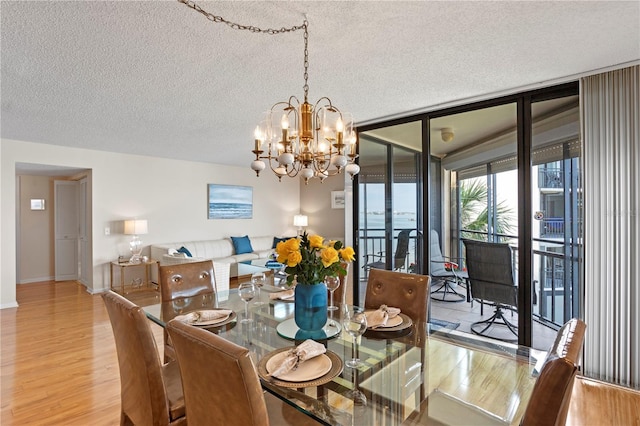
(305, 25)
(219, 19)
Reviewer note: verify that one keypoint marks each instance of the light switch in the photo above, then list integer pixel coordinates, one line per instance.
(107, 231)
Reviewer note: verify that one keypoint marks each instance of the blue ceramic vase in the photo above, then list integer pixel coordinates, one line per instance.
(311, 306)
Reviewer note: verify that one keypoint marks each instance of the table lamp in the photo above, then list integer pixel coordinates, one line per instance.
(135, 227)
(300, 221)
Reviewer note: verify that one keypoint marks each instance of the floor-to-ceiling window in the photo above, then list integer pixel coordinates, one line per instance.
(389, 194)
(502, 171)
(483, 174)
(556, 200)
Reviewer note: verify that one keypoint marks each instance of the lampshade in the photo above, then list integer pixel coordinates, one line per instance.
(135, 227)
(300, 220)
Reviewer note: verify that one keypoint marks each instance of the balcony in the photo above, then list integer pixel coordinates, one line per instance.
(550, 178)
(552, 227)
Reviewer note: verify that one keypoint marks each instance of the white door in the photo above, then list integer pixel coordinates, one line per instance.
(66, 229)
(84, 234)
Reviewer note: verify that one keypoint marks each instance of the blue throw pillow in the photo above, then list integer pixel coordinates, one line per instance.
(184, 250)
(276, 240)
(242, 244)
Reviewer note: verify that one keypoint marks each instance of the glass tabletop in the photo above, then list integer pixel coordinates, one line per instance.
(414, 376)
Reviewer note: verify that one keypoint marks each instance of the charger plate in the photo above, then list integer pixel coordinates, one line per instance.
(336, 368)
(288, 300)
(219, 322)
(406, 323)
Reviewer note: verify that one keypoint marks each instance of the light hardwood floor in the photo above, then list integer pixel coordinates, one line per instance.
(58, 362)
(58, 358)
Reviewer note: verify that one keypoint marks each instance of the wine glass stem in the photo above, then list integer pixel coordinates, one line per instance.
(354, 349)
(331, 297)
(246, 309)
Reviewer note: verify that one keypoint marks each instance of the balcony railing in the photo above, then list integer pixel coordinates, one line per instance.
(554, 274)
(554, 277)
(550, 178)
(552, 227)
(373, 243)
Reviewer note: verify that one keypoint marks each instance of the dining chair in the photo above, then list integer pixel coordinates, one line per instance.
(184, 281)
(151, 393)
(221, 384)
(491, 278)
(339, 293)
(549, 401)
(409, 292)
(551, 395)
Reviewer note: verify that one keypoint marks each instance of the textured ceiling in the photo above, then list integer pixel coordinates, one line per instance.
(157, 78)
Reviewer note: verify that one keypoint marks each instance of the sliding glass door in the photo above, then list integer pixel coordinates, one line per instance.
(556, 199)
(500, 171)
(389, 204)
(482, 168)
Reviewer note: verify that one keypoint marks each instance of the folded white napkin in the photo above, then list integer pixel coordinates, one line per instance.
(304, 351)
(380, 316)
(286, 294)
(203, 316)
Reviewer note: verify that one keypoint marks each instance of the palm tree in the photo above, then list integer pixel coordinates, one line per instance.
(474, 212)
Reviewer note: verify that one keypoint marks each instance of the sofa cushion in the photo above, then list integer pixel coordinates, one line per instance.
(185, 250)
(242, 245)
(276, 240)
(244, 257)
(262, 243)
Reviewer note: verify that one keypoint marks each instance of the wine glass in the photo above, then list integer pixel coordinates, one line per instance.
(247, 292)
(258, 279)
(332, 284)
(354, 322)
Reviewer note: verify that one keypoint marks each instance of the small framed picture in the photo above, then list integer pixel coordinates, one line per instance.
(337, 199)
(37, 204)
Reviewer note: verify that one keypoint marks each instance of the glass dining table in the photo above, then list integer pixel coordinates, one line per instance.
(422, 374)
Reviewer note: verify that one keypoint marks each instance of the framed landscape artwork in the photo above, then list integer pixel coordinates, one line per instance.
(230, 202)
(337, 199)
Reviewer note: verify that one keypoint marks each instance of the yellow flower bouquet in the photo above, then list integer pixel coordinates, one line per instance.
(308, 260)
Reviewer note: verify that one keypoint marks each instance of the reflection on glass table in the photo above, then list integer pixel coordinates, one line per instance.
(406, 375)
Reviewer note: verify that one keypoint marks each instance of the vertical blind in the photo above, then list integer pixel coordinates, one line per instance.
(610, 107)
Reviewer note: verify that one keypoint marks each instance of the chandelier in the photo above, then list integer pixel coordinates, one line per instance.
(293, 138)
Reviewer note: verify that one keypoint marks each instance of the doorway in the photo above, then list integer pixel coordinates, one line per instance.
(37, 248)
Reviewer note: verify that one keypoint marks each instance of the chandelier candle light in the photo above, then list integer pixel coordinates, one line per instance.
(315, 141)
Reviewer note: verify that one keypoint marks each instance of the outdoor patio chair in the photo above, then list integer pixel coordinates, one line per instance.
(448, 279)
(399, 258)
(490, 270)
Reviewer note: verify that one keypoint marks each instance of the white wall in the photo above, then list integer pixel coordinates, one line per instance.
(315, 202)
(36, 229)
(170, 194)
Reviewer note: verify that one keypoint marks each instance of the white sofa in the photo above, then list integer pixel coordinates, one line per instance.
(220, 251)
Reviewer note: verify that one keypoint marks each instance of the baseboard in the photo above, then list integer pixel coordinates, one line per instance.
(36, 280)
(9, 305)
